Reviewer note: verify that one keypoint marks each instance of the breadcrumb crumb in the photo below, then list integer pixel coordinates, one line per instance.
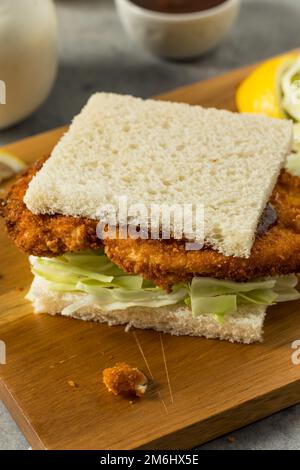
(122, 379)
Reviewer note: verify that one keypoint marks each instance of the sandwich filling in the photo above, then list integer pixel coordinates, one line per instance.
(93, 274)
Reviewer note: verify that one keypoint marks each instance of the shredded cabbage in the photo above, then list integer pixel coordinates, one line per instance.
(105, 284)
(220, 297)
(94, 274)
(293, 160)
(290, 85)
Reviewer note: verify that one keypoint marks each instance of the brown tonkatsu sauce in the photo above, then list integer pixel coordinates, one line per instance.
(178, 6)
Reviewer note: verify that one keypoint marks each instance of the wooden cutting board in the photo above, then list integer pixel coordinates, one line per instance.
(215, 387)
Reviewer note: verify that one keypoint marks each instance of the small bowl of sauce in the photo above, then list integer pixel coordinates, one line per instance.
(178, 6)
(178, 29)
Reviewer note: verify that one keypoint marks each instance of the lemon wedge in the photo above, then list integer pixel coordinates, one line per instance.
(9, 165)
(273, 89)
(260, 93)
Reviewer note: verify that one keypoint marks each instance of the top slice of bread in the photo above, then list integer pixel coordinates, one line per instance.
(170, 153)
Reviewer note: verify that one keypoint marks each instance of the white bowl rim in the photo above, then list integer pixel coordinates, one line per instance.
(175, 17)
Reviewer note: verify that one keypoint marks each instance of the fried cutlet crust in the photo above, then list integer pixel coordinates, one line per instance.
(44, 235)
(275, 252)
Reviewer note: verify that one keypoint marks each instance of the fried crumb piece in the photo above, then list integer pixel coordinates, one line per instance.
(231, 439)
(123, 379)
(20, 289)
(72, 384)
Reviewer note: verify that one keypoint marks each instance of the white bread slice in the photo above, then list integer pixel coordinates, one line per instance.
(245, 326)
(166, 153)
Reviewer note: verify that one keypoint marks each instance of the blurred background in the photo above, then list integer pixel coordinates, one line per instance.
(96, 54)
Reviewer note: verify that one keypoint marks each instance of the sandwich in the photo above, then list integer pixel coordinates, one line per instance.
(214, 279)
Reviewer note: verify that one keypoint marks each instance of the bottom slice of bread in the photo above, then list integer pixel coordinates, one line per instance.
(244, 326)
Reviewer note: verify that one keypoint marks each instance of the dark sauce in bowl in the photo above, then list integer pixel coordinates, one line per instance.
(178, 6)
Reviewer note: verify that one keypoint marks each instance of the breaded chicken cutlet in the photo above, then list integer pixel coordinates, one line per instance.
(167, 262)
(44, 235)
(275, 252)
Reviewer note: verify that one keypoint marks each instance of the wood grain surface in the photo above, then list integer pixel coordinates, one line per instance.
(216, 386)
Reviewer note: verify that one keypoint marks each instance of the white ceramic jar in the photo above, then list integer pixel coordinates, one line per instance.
(178, 35)
(28, 57)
